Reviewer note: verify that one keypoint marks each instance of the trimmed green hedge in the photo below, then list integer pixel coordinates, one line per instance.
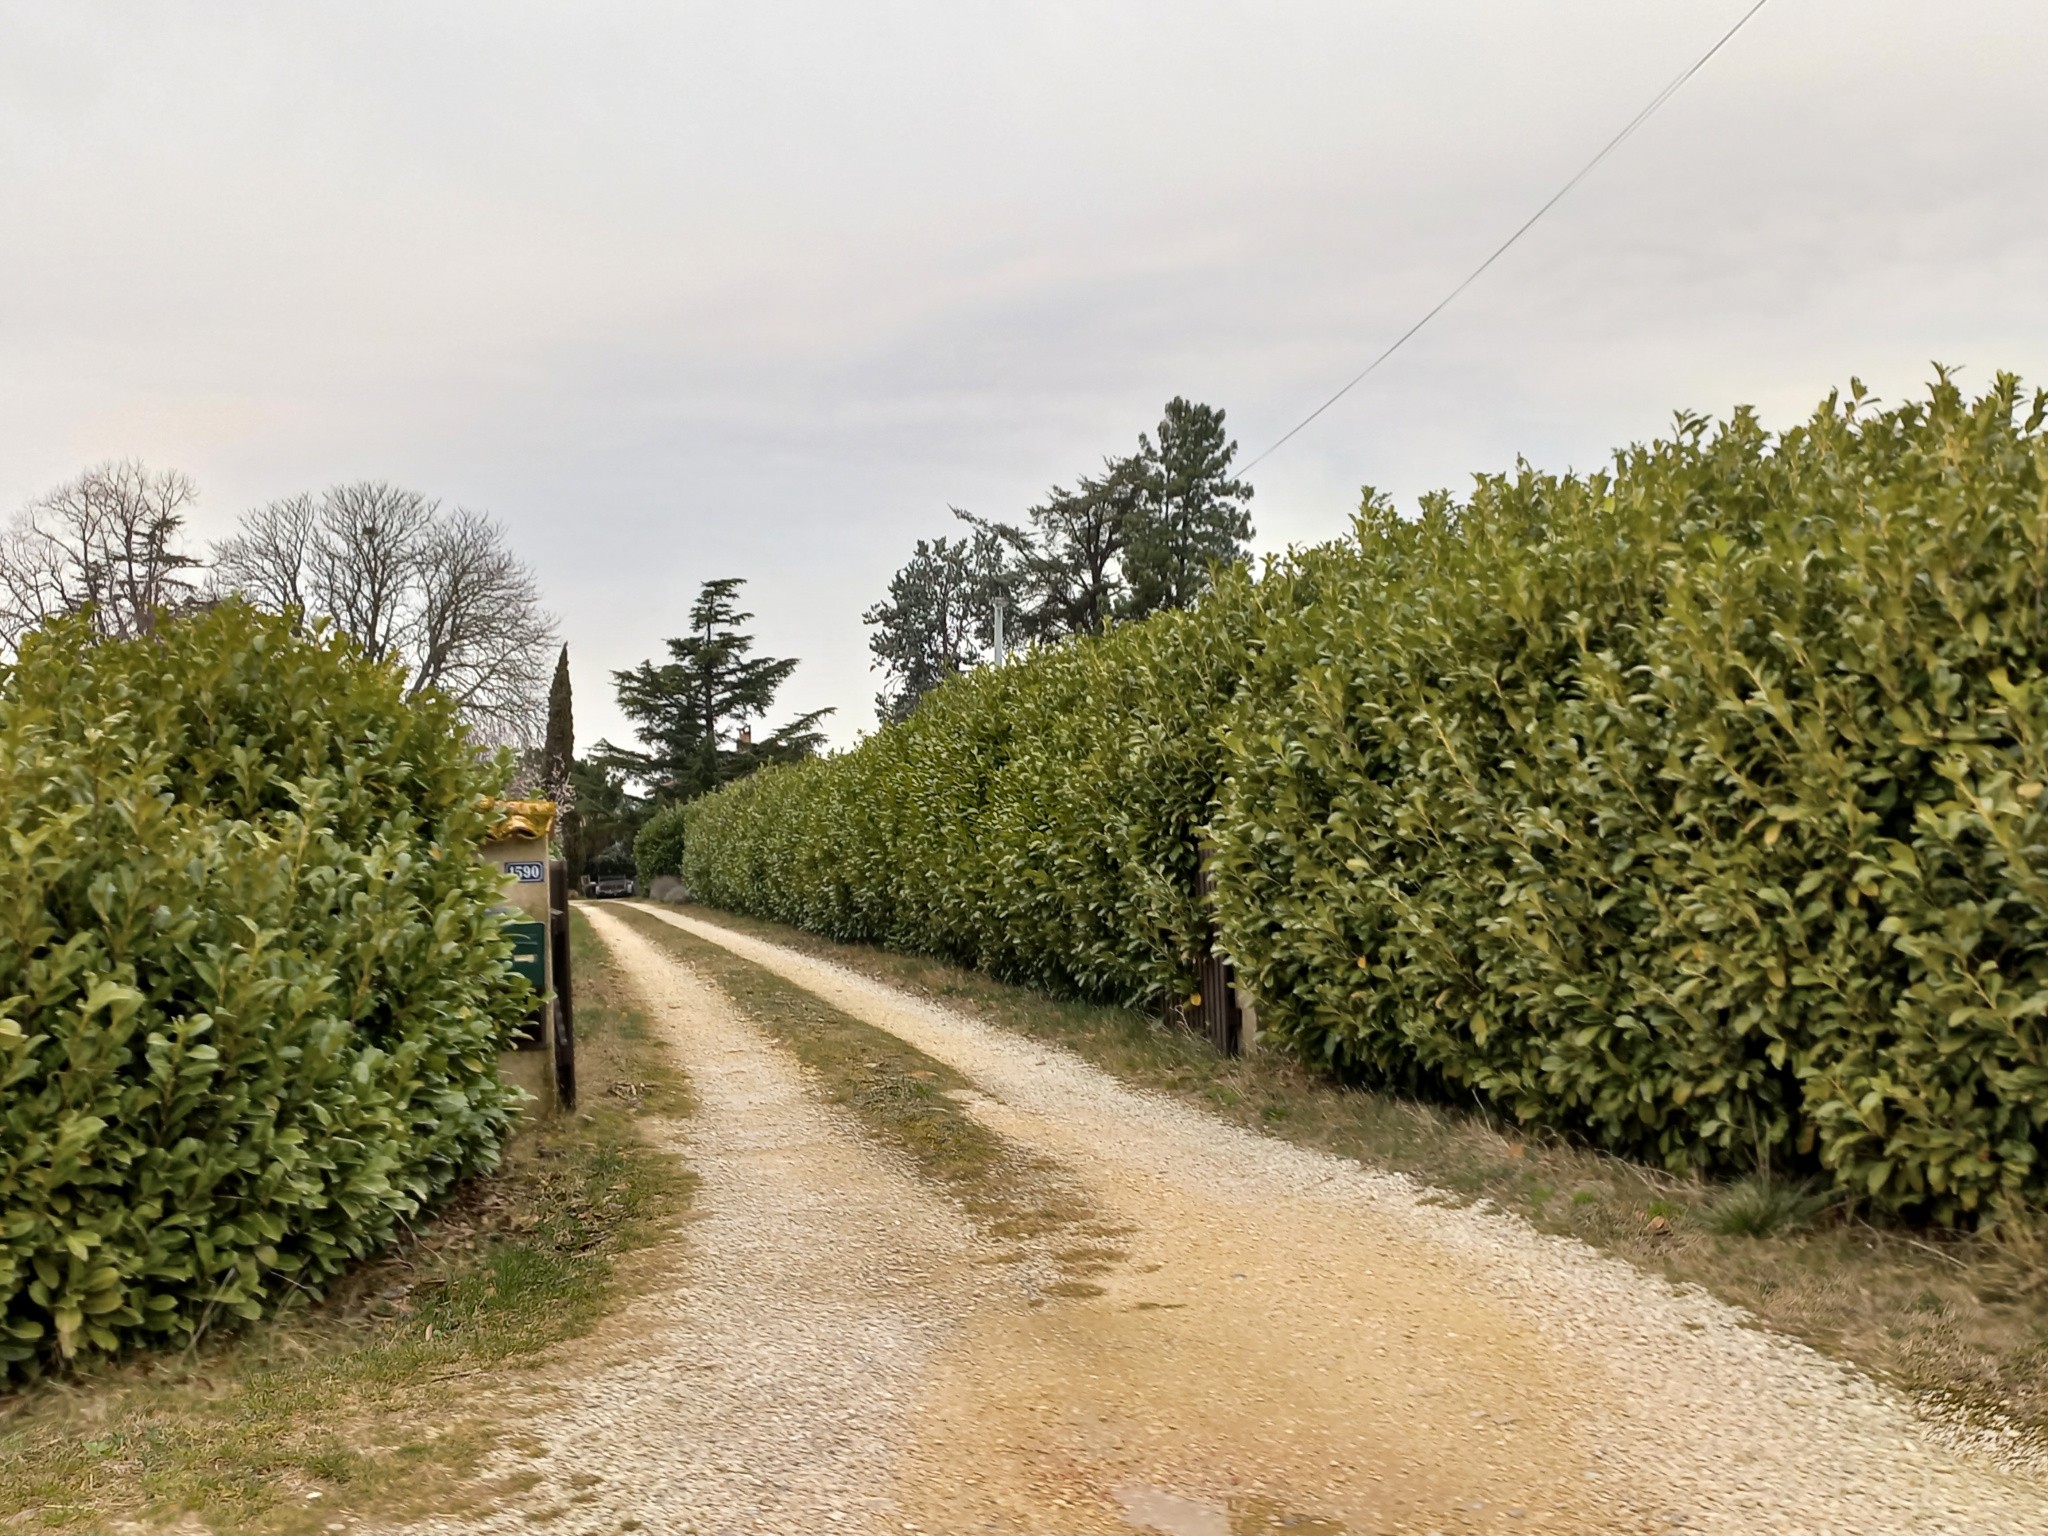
(658, 847)
(1037, 820)
(250, 993)
(1694, 807)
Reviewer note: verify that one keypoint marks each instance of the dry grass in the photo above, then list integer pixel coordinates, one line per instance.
(1960, 1319)
(360, 1399)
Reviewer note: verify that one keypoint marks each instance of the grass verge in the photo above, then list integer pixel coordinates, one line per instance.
(1961, 1320)
(1036, 1216)
(357, 1406)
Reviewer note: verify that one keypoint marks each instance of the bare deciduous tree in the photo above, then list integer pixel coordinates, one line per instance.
(267, 562)
(439, 593)
(106, 543)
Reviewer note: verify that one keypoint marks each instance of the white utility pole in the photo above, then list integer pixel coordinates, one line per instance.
(1002, 652)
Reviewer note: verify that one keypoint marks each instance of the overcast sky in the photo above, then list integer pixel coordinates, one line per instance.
(680, 290)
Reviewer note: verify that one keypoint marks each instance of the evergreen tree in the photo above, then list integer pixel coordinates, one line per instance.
(1139, 537)
(607, 816)
(939, 618)
(1070, 578)
(1189, 515)
(693, 713)
(558, 744)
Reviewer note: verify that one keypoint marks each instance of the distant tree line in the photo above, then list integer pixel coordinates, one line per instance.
(1140, 536)
(436, 590)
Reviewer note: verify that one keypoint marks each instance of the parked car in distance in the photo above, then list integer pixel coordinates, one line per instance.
(611, 885)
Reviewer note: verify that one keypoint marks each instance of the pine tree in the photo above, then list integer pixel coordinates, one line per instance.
(1190, 514)
(1141, 536)
(939, 617)
(1071, 579)
(693, 713)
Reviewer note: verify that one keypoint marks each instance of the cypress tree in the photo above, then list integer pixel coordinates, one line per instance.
(558, 747)
(558, 754)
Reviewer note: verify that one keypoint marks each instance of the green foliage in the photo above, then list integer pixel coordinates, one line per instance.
(604, 812)
(939, 617)
(1067, 569)
(692, 711)
(658, 850)
(1142, 536)
(558, 744)
(1037, 820)
(1694, 807)
(252, 990)
(1190, 515)
(1763, 1207)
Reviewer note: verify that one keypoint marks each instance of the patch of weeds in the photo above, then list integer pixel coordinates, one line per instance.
(1762, 1207)
(364, 1403)
(1855, 1291)
(903, 1097)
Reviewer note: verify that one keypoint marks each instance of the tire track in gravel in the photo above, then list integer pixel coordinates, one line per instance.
(768, 1388)
(1295, 1333)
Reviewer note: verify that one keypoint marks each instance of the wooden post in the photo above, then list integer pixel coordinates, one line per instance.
(565, 1011)
(1222, 1019)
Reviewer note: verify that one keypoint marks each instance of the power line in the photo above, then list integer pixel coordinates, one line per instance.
(1557, 197)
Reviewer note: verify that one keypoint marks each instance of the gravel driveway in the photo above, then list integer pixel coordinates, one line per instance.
(768, 1388)
(1279, 1341)
(1295, 1340)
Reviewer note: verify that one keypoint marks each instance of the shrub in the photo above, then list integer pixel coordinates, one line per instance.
(253, 993)
(1037, 820)
(658, 848)
(1694, 807)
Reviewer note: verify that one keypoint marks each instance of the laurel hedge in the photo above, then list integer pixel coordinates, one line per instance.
(1693, 807)
(250, 992)
(658, 846)
(1038, 820)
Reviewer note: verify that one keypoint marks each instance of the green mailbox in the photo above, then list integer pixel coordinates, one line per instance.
(530, 959)
(529, 954)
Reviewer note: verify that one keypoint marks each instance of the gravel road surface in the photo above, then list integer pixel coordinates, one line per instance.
(1271, 1340)
(767, 1387)
(1290, 1341)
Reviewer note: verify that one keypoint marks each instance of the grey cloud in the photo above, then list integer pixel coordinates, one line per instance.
(684, 291)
